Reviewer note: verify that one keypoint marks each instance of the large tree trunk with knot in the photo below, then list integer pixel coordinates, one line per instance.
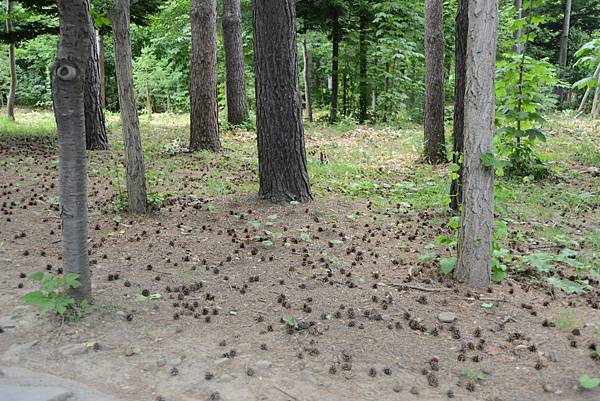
(68, 82)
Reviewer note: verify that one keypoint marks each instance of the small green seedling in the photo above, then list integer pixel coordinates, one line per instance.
(52, 295)
(290, 321)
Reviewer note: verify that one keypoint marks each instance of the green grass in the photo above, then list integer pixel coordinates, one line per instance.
(28, 123)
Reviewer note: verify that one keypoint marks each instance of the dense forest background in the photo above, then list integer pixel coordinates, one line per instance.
(392, 45)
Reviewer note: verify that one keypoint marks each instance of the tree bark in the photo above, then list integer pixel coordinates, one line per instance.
(596, 103)
(564, 46)
(282, 163)
(335, 62)
(204, 126)
(588, 90)
(10, 100)
(475, 235)
(307, 79)
(434, 82)
(518, 47)
(95, 127)
(102, 76)
(345, 86)
(363, 87)
(68, 82)
(237, 102)
(149, 99)
(564, 37)
(134, 155)
(462, 26)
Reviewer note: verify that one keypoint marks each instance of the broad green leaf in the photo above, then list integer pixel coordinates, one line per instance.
(447, 264)
(589, 383)
(37, 276)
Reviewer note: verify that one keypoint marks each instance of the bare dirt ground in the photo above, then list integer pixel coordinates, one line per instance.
(347, 272)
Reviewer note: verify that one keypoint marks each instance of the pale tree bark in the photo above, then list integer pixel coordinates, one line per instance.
(95, 127)
(564, 46)
(102, 76)
(134, 155)
(283, 172)
(596, 103)
(518, 47)
(10, 100)
(307, 79)
(363, 87)
(149, 99)
(460, 68)
(588, 90)
(237, 102)
(68, 82)
(475, 235)
(434, 82)
(335, 63)
(564, 37)
(204, 124)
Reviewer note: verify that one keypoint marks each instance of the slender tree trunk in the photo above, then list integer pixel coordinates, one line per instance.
(307, 79)
(345, 83)
(68, 82)
(283, 171)
(460, 68)
(564, 37)
(149, 99)
(335, 62)
(434, 82)
(101, 61)
(475, 235)
(588, 90)
(237, 102)
(373, 100)
(95, 127)
(596, 103)
(518, 47)
(203, 92)
(362, 69)
(564, 46)
(10, 100)
(134, 155)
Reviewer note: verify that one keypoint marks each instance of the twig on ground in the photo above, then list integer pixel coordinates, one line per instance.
(416, 287)
(285, 392)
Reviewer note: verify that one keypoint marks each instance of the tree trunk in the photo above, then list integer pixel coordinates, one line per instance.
(362, 69)
(564, 37)
(283, 171)
(518, 47)
(564, 46)
(434, 83)
(149, 99)
(237, 102)
(101, 61)
(95, 128)
(10, 100)
(307, 79)
(475, 235)
(68, 82)
(588, 90)
(462, 26)
(335, 62)
(345, 83)
(204, 134)
(134, 155)
(596, 103)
